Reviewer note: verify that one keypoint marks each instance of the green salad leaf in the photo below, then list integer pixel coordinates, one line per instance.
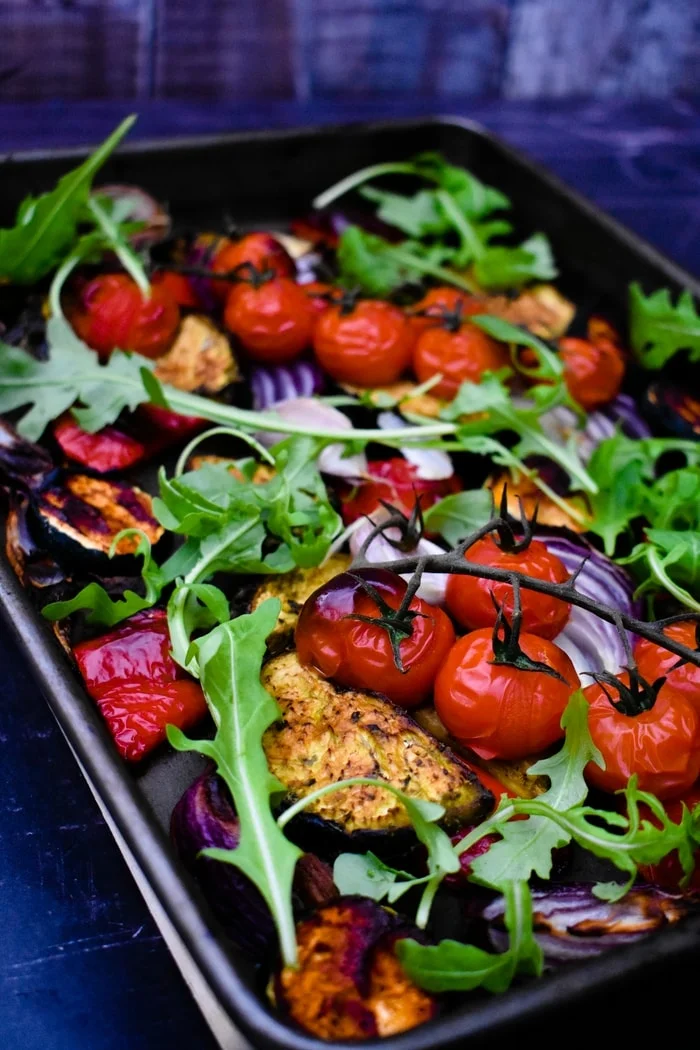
(378, 267)
(47, 226)
(228, 661)
(455, 516)
(452, 966)
(659, 329)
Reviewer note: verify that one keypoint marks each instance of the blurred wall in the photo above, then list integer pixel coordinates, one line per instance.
(304, 49)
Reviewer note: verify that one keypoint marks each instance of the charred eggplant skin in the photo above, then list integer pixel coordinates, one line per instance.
(76, 517)
(327, 734)
(349, 983)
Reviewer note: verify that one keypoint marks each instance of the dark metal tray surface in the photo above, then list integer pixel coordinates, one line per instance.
(265, 179)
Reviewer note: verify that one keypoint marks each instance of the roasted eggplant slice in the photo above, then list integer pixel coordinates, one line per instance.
(292, 589)
(349, 983)
(77, 519)
(205, 817)
(328, 734)
(200, 358)
(512, 775)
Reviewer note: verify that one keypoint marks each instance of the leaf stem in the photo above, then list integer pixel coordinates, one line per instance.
(374, 171)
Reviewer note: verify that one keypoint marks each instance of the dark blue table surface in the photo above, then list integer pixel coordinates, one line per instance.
(82, 965)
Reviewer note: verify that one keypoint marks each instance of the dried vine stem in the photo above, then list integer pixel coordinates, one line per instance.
(455, 563)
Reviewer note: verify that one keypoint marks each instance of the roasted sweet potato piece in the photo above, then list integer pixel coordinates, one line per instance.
(328, 734)
(349, 983)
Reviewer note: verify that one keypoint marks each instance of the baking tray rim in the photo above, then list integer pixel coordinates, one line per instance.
(179, 897)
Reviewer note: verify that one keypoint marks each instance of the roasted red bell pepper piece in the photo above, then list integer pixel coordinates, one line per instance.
(137, 685)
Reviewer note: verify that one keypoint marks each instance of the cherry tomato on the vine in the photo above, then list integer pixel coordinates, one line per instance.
(369, 344)
(111, 312)
(469, 597)
(655, 662)
(441, 300)
(331, 637)
(396, 482)
(661, 745)
(273, 319)
(459, 356)
(497, 709)
(260, 250)
(593, 372)
(179, 287)
(317, 292)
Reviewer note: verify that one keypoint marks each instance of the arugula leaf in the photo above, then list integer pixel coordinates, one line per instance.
(658, 329)
(455, 967)
(473, 197)
(526, 846)
(503, 267)
(673, 501)
(668, 560)
(418, 216)
(72, 373)
(46, 226)
(550, 365)
(368, 876)
(228, 660)
(377, 267)
(455, 516)
(107, 218)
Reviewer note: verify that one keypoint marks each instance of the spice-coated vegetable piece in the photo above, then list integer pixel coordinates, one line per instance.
(349, 983)
(470, 599)
(653, 733)
(110, 311)
(369, 342)
(273, 318)
(328, 734)
(204, 817)
(262, 251)
(200, 358)
(458, 351)
(292, 589)
(78, 518)
(653, 661)
(492, 701)
(137, 685)
(354, 630)
(394, 481)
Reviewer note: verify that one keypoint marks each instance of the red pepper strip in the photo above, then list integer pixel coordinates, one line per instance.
(150, 430)
(137, 685)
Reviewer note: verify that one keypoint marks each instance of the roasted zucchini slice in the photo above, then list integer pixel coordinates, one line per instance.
(327, 734)
(77, 520)
(292, 589)
(512, 775)
(200, 358)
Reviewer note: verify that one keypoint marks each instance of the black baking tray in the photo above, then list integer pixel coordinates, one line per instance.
(265, 179)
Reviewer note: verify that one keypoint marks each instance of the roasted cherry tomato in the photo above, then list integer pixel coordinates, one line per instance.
(111, 312)
(498, 710)
(260, 250)
(137, 685)
(442, 300)
(179, 286)
(368, 345)
(593, 372)
(655, 662)
(317, 292)
(273, 319)
(469, 597)
(396, 482)
(332, 637)
(661, 745)
(668, 872)
(459, 356)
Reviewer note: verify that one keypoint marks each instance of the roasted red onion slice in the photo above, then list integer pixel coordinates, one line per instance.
(622, 413)
(591, 643)
(572, 924)
(310, 410)
(433, 584)
(431, 463)
(271, 385)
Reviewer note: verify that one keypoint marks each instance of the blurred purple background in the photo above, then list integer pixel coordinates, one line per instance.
(306, 50)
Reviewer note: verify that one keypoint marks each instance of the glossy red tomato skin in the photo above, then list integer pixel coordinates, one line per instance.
(469, 597)
(369, 346)
(261, 250)
(396, 482)
(668, 873)
(440, 300)
(593, 372)
(497, 710)
(112, 313)
(654, 661)
(661, 746)
(178, 286)
(273, 321)
(462, 356)
(359, 655)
